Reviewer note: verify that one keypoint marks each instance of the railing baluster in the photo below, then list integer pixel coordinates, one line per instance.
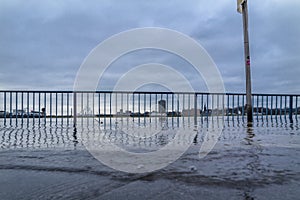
(87, 108)
(133, 105)
(238, 107)
(127, 106)
(99, 107)
(172, 101)
(116, 102)
(207, 107)
(122, 106)
(33, 107)
(110, 113)
(39, 107)
(50, 107)
(276, 103)
(280, 107)
(195, 109)
(145, 102)
(189, 108)
(267, 105)
(104, 109)
(82, 111)
(202, 108)
(262, 108)
(228, 109)
(5, 112)
(10, 108)
(45, 106)
(285, 105)
(296, 113)
(62, 108)
(67, 108)
(257, 107)
(16, 95)
(150, 111)
(156, 108)
(212, 106)
(271, 108)
(223, 107)
(167, 103)
(28, 108)
(291, 109)
(56, 108)
(178, 112)
(22, 107)
(297, 108)
(139, 107)
(93, 109)
(232, 112)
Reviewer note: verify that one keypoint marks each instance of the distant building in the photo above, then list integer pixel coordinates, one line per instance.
(162, 106)
(190, 112)
(122, 113)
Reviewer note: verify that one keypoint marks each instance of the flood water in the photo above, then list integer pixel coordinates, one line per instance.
(51, 161)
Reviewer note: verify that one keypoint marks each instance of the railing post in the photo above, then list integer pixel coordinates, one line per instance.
(195, 110)
(291, 109)
(74, 109)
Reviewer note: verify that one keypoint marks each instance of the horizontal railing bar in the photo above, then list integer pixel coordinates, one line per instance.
(145, 92)
(38, 91)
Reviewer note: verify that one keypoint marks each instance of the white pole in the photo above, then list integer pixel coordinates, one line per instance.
(247, 62)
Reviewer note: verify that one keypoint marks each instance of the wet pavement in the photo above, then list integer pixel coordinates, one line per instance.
(50, 162)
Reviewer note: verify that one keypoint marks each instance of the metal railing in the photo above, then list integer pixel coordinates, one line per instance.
(67, 107)
(35, 106)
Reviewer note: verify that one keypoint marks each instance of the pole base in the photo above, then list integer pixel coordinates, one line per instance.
(249, 113)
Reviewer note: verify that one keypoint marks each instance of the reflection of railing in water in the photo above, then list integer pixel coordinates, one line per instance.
(36, 137)
(58, 106)
(61, 136)
(66, 137)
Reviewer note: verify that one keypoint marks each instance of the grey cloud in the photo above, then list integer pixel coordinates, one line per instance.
(43, 43)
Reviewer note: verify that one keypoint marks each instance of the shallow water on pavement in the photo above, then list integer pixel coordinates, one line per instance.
(43, 161)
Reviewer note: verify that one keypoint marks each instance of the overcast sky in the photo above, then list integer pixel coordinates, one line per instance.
(43, 43)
